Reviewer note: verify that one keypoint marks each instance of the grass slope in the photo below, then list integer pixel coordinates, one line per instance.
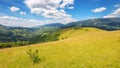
(71, 32)
(82, 49)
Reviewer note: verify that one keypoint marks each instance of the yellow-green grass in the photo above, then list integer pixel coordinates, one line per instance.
(71, 32)
(83, 49)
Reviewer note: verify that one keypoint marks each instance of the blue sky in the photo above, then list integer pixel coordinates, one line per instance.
(29, 13)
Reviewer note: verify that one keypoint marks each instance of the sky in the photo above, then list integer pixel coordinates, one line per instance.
(30, 13)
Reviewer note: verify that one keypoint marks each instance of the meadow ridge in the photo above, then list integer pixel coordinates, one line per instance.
(91, 48)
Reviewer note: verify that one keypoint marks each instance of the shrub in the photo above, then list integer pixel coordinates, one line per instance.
(33, 56)
(86, 29)
(78, 28)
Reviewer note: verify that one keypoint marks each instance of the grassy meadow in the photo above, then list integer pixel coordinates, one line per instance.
(93, 48)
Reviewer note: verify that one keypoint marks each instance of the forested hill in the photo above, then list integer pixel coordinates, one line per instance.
(19, 36)
(102, 23)
(13, 34)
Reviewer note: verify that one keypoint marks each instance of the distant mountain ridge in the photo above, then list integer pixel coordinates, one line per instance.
(102, 23)
(59, 25)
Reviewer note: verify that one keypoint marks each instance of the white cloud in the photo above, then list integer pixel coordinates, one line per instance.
(51, 9)
(23, 13)
(71, 7)
(14, 21)
(8, 17)
(116, 13)
(98, 10)
(56, 14)
(66, 3)
(14, 9)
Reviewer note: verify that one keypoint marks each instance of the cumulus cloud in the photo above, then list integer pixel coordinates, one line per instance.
(116, 13)
(23, 13)
(51, 9)
(66, 3)
(14, 9)
(98, 10)
(55, 14)
(14, 21)
(71, 7)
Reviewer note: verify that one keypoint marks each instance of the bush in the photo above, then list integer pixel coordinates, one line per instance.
(33, 56)
(86, 29)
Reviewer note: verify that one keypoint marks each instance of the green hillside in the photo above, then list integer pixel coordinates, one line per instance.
(79, 48)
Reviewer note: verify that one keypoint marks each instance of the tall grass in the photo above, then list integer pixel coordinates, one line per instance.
(82, 49)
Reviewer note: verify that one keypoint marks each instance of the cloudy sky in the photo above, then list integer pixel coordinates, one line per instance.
(29, 13)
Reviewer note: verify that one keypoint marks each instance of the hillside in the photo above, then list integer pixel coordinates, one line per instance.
(20, 36)
(102, 23)
(71, 32)
(84, 48)
(12, 34)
